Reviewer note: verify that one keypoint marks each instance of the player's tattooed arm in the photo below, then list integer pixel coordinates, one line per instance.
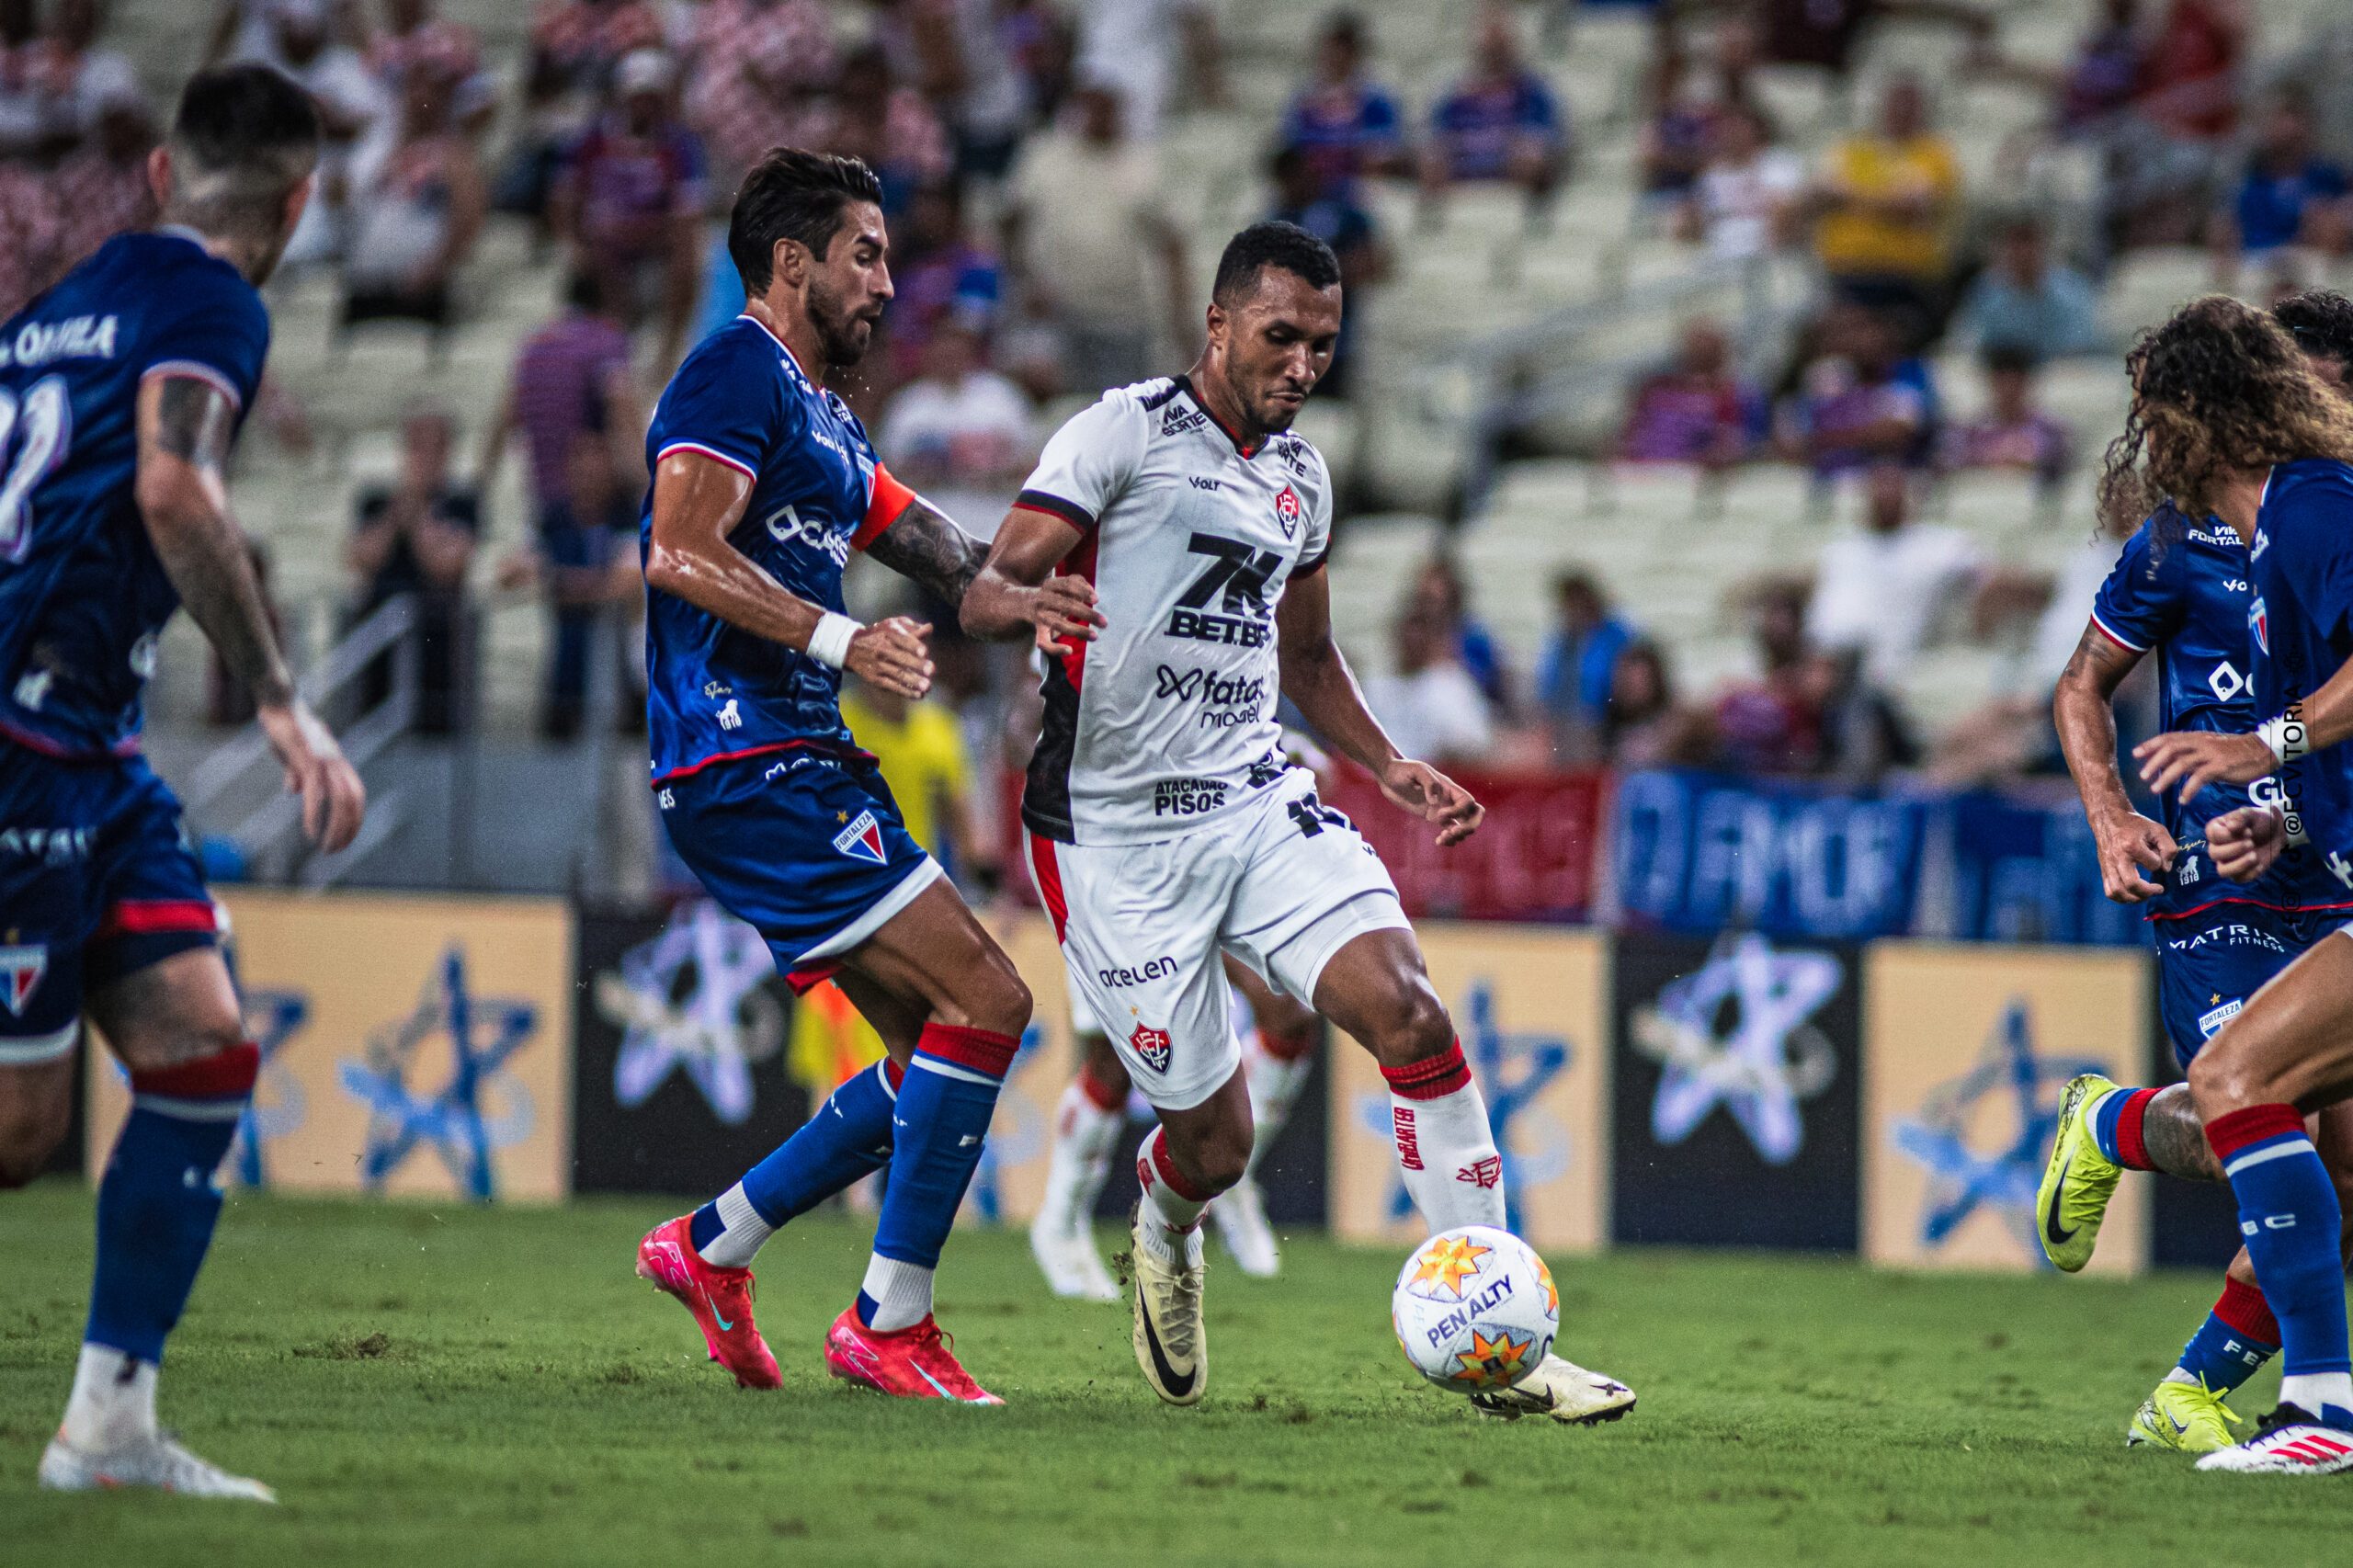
(2134, 852)
(1315, 675)
(184, 428)
(925, 546)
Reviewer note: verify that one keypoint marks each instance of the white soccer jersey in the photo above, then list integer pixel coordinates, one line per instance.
(1165, 723)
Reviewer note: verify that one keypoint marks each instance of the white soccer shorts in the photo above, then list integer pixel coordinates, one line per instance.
(1282, 886)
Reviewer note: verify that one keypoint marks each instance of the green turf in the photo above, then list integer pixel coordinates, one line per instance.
(440, 1385)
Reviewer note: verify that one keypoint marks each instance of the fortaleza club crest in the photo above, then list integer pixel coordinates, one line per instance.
(1287, 511)
(21, 966)
(1151, 1045)
(862, 840)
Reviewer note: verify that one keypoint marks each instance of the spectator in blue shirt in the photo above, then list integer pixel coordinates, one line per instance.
(1579, 665)
(1333, 217)
(2023, 303)
(1863, 400)
(2289, 196)
(1500, 123)
(1344, 125)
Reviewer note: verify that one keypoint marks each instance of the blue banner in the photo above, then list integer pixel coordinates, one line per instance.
(1697, 853)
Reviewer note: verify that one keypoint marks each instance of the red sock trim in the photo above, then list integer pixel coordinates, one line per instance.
(2244, 1310)
(893, 1074)
(1165, 1166)
(2130, 1150)
(1105, 1097)
(2226, 1135)
(983, 1051)
(1431, 1078)
(1288, 1047)
(226, 1075)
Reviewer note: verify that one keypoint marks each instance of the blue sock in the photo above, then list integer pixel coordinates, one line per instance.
(157, 1202)
(2289, 1216)
(2221, 1356)
(944, 1112)
(849, 1136)
(2105, 1116)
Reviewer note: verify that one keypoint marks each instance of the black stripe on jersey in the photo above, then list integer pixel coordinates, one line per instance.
(1045, 800)
(1305, 567)
(1163, 394)
(1076, 515)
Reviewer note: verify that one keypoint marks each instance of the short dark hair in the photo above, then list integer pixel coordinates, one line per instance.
(1272, 243)
(2321, 320)
(243, 138)
(792, 195)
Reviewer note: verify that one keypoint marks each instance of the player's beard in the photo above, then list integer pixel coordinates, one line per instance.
(842, 334)
(1267, 417)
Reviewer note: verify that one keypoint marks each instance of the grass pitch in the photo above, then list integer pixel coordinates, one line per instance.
(446, 1386)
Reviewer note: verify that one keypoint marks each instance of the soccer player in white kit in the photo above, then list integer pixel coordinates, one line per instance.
(1172, 541)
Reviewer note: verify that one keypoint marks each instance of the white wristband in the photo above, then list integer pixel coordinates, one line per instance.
(829, 644)
(2286, 735)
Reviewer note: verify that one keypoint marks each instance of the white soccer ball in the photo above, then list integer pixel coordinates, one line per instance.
(1475, 1309)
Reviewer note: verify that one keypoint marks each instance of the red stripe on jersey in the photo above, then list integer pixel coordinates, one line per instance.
(889, 500)
(1050, 880)
(1080, 563)
(146, 917)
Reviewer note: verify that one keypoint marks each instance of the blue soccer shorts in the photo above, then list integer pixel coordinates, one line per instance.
(2210, 962)
(97, 881)
(804, 847)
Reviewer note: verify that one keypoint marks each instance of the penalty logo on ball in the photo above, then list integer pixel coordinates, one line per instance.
(1475, 1309)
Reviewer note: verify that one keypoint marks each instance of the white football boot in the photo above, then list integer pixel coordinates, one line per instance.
(153, 1461)
(2287, 1442)
(1172, 1346)
(1240, 1215)
(1563, 1391)
(1074, 1269)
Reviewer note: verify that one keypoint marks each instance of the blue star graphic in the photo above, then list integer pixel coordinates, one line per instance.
(714, 1033)
(1759, 1063)
(451, 1120)
(1960, 1178)
(1512, 1070)
(272, 1018)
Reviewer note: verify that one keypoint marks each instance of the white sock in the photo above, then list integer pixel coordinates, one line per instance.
(1080, 1162)
(1445, 1149)
(745, 1233)
(1274, 1083)
(901, 1293)
(2314, 1391)
(113, 1401)
(1172, 1222)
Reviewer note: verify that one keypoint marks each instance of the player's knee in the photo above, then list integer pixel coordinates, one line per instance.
(1004, 1003)
(1410, 1025)
(175, 1043)
(29, 1134)
(2220, 1083)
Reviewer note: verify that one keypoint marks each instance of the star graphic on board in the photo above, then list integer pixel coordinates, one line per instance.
(1493, 1363)
(452, 1120)
(1758, 1059)
(724, 1022)
(271, 1019)
(1960, 1178)
(1446, 1265)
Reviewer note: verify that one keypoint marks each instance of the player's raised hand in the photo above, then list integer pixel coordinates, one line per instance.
(334, 800)
(2243, 842)
(1064, 606)
(1432, 796)
(2194, 759)
(893, 655)
(2128, 845)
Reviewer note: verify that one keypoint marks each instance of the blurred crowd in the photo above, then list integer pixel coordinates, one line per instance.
(1039, 256)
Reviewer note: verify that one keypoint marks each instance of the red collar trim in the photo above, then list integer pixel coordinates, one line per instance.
(1247, 452)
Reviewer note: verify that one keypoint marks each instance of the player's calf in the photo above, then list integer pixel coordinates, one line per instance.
(36, 1111)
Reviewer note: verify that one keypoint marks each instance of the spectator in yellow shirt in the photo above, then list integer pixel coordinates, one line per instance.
(922, 755)
(1885, 208)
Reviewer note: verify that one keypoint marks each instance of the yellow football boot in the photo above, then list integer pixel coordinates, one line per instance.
(2187, 1417)
(2077, 1181)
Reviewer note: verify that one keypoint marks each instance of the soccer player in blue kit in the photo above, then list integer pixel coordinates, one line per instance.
(2229, 419)
(2180, 588)
(764, 482)
(121, 390)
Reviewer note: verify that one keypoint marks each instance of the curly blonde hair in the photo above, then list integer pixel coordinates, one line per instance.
(2220, 388)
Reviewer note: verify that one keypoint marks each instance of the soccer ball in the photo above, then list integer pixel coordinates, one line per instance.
(1475, 1309)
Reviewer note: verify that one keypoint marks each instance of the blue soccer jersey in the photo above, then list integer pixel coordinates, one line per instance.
(2180, 588)
(714, 691)
(2300, 624)
(82, 594)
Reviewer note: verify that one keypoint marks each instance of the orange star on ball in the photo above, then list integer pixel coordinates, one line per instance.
(1448, 1263)
(1493, 1363)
